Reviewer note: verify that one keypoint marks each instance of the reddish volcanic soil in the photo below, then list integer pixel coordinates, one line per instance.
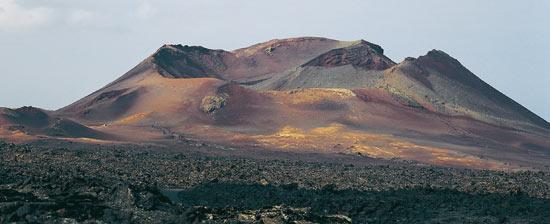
(304, 95)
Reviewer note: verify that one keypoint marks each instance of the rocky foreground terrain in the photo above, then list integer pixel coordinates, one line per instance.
(203, 183)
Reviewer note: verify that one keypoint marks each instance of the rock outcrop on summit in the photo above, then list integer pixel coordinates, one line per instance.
(312, 94)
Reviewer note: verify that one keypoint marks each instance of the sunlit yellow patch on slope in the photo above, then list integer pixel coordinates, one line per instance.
(337, 138)
(131, 119)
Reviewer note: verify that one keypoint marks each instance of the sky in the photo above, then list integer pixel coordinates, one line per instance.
(54, 52)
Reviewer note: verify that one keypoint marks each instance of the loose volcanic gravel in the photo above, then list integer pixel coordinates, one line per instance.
(150, 184)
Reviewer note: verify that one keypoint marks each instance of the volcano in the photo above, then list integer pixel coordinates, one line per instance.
(305, 95)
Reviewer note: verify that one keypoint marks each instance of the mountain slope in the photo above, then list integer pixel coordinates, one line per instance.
(353, 66)
(34, 121)
(318, 95)
(449, 88)
(177, 62)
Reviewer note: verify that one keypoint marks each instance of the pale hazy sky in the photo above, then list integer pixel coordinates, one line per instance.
(53, 52)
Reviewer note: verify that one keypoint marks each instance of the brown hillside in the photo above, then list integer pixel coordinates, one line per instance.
(311, 95)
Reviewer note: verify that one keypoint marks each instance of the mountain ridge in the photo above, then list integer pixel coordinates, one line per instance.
(318, 94)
